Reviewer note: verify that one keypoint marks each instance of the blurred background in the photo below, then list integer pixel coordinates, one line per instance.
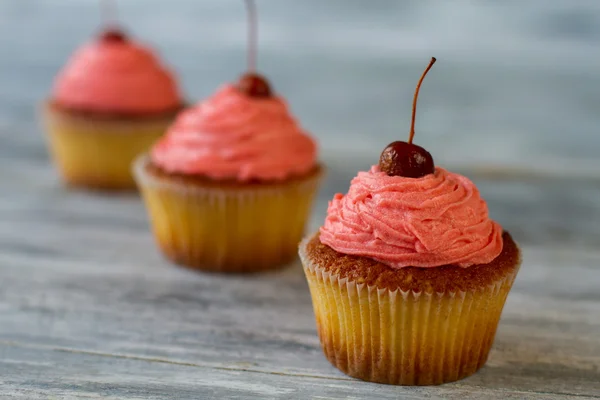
(89, 305)
(516, 90)
(516, 82)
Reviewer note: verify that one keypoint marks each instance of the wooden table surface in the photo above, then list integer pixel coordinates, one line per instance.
(90, 309)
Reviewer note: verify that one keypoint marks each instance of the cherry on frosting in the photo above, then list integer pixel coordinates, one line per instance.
(113, 35)
(252, 83)
(405, 158)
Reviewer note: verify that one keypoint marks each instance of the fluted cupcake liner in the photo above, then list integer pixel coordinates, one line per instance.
(98, 153)
(227, 229)
(404, 338)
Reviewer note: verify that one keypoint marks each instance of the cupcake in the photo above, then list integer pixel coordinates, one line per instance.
(230, 186)
(409, 275)
(110, 102)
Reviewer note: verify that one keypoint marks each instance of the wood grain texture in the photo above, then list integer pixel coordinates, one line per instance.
(89, 309)
(110, 377)
(82, 283)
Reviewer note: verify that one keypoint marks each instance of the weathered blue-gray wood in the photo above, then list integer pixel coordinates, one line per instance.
(111, 377)
(80, 274)
(89, 308)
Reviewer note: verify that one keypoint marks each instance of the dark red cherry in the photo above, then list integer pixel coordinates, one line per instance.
(113, 35)
(405, 158)
(254, 85)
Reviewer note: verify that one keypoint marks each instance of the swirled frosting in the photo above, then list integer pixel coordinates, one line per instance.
(116, 76)
(231, 135)
(435, 220)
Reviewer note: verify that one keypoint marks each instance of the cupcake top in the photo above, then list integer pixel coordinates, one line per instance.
(114, 74)
(405, 212)
(434, 220)
(234, 135)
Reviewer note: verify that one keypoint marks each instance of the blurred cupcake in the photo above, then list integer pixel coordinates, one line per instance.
(110, 102)
(409, 275)
(230, 186)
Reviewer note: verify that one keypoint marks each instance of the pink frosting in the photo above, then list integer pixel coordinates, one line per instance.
(435, 220)
(233, 136)
(116, 76)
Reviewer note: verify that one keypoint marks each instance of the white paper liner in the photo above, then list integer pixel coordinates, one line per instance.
(404, 338)
(97, 153)
(227, 229)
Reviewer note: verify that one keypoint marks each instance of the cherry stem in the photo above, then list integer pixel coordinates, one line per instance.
(414, 107)
(252, 34)
(109, 12)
